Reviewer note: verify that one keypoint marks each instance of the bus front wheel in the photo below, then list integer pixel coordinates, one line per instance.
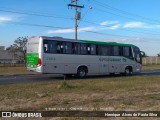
(128, 71)
(81, 72)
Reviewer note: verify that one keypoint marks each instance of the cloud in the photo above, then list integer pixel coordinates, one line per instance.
(109, 22)
(88, 29)
(136, 24)
(114, 27)
(5, 19)
(157, 26)
(92, 28)
(61, 31)
(108, 25)
(136, 39)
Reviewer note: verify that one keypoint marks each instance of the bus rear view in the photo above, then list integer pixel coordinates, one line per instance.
(34, 62)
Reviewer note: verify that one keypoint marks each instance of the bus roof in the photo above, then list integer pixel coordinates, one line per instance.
(87, 41)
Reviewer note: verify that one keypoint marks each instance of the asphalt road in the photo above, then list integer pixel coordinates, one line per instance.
(22, 79)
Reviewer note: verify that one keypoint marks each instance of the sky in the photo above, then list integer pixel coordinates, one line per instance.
(124, 21)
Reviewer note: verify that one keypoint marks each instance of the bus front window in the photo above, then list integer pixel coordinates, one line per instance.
(137, 55)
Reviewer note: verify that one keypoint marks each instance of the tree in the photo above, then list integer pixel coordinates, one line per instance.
(19, 48)
(158, 54)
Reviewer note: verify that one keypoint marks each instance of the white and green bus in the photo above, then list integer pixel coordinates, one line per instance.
(58, 55)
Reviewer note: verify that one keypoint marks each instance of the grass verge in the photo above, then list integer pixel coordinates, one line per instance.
(150, 67)
(118, 93)
(13, 70)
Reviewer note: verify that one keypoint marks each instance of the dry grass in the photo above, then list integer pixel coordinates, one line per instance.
(119, 93)
(150, 67)
(13, 70)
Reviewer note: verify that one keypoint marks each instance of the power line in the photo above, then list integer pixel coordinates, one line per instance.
(48, 26)
(119, 15)
(124, 12)
(35, 14)
(91, 22)
(111, 13)
(94, 32)
(38, 25)
(108, 26)
(139, 32)
(147, 32)
(107, 34)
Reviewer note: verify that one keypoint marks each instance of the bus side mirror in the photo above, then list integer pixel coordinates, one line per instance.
(143, 54)
(138, 58)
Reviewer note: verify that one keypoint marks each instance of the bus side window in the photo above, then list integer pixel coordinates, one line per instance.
(127, 52)
(60, 47)
(89, 49)
(62, 44)
(68, 48)
(116, 51)
(83, 48)
(52, 46)
(104, 50)
(93, 49)
(111, 51)
(45, 47)
(63, 47)
(121, 51)
(78, 46)
(98, 49)
(74, 48)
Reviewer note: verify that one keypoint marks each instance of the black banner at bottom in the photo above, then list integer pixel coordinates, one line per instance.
(38, 114)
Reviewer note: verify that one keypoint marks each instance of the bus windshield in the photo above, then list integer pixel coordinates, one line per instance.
(137, 55)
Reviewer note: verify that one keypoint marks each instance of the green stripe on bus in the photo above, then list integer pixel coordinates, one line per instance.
(106, 43)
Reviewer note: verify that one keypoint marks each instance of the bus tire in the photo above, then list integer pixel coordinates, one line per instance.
(81, 72)
(128, 71)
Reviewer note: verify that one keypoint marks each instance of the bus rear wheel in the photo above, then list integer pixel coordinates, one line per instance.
(81, 72)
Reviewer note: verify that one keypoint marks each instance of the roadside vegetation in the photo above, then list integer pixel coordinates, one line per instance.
(13, 70)
(135, 93)
(151, 67)
(107, 93)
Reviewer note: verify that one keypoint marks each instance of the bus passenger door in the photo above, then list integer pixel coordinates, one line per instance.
(114, 66)
(103, 51)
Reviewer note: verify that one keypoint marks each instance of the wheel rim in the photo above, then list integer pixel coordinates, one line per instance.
(82, 73)
(127, 72)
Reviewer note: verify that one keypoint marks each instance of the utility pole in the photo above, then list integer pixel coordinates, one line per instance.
(77, 14)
